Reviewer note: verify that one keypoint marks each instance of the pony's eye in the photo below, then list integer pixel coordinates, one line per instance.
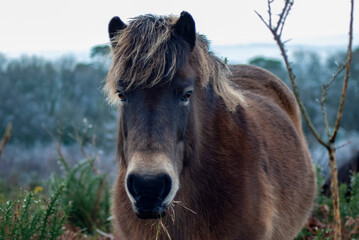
(187, 96)
(121, 96)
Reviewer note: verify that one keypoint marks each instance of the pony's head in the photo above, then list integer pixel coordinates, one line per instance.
(160, 72)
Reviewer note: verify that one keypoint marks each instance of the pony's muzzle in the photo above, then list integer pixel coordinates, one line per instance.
(148, 193)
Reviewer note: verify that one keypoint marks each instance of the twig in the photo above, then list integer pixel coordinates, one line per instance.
(346, 78)
(6, 137)
(324, 111)
(58, 141)
(339, 71)
(343, 145)
(297, 96)
(80, 139)
(283, 51)
(325, 89)
(268, 25)
(283, 17)
(269, 12)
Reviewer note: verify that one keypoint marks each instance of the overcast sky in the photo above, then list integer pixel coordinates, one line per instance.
(74, 25)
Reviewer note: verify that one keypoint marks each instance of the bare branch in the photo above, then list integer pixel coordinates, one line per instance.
(269, 13)
(346, 78)
(80, 139)
(324, 110)
(343, 145)
(269, 26)
(283, 16)
(277, 34)
(340, 70)
(325, 89)
(296, 93)
(56, 140)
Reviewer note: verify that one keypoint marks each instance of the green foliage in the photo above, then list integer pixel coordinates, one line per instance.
(88, 193)
(321, 222)
(349, 202)
(32, 216)
(7, 191)
(266, 63)
(321, 198)
(273, 65)
(100, 50)
(79, 203)
(322, 234)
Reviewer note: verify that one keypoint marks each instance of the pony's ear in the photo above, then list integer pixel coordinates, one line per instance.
(185, 27)
(114, 26)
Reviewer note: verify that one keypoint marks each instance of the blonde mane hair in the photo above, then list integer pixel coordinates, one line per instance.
(146, 53)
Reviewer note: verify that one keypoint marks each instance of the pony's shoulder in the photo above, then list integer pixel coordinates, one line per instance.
(265, 84)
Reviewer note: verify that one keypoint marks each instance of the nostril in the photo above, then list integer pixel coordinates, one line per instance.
(167, 185)
(130, 185)
(149, 186)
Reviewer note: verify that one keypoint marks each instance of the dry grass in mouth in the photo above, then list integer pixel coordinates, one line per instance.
(171, 213)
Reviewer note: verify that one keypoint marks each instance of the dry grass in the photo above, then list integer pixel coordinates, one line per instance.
(160, 226)
(72, 233)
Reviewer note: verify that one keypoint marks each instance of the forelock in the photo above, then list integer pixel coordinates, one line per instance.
(147, 52)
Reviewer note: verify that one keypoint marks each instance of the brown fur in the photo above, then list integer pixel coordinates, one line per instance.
(250, 174)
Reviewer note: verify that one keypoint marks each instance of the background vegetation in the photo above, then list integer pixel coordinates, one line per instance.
(62, 146)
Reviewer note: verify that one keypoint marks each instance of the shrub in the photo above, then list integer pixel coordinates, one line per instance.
(32, 216)
(88, 194)
(320, 225)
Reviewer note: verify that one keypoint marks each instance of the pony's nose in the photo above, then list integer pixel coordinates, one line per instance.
(152, 188)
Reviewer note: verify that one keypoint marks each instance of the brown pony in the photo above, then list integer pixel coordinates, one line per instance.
(205, 151)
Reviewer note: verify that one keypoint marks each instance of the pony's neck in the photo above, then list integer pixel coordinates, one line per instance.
(204, 175)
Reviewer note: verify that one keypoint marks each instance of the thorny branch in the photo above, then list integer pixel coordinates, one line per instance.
(346, 78)
(283, 17)
(278, 38)
(325, 89)
(277, 34)
(269, 13)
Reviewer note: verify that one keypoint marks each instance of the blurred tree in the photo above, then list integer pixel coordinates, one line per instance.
(273, 65)
(36, 92)
(100, 51)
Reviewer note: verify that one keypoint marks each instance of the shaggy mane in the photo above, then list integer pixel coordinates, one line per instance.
(147, 52)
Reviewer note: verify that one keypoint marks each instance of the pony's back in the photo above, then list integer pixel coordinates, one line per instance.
(289, 171)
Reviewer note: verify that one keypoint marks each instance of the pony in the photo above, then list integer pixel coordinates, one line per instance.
(205, 150)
